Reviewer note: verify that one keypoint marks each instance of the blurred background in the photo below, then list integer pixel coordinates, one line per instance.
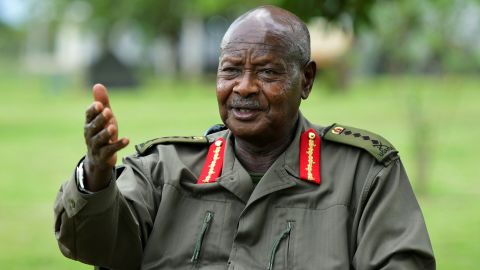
(406, 69)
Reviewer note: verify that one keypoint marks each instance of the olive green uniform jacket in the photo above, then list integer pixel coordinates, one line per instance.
(363, 215)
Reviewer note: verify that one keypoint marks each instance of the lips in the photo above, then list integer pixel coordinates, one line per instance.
(245, 114)
(245, 109)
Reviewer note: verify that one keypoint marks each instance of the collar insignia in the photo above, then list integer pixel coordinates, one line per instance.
(214, 162)
(310, 156)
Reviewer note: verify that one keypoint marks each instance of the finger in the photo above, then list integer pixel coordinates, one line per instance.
(102, 138)
(108, 151)
(93, 110)
(97, 124)
(111, 121)
(100, 94)
(114, 136)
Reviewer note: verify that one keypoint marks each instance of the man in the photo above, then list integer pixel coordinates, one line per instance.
(272, 191)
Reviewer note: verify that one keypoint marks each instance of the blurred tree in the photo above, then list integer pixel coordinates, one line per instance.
(358, 11)
(427, 36)
(165, 16)
(334, 10)
(434, 35)
(10, 41)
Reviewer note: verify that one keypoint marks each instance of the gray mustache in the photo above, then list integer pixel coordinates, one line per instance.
(245, 103)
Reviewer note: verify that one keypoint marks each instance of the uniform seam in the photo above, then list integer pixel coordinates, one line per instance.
(370, 183)
(174, 187)
(184, 195)
(314, 209)
(227, 206)
(145, 169)
(75, 255)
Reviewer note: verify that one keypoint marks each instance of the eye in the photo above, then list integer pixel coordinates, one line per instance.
(269, 74)
(229, 71)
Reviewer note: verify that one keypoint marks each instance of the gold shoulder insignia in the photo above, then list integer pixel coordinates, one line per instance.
(143, 147)
(375, 144)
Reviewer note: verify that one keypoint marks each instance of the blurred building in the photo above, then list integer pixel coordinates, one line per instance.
(71, 46)
(421, 37)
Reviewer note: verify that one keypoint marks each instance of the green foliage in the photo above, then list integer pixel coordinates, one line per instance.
(421, 36)
(164, 16)
(334, 10)
(357, 11)
(10, 40)
(427, 36)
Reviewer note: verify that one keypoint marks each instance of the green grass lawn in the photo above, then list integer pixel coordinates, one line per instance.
(41, 139)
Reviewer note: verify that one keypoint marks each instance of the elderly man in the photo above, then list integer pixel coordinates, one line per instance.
(269, 191)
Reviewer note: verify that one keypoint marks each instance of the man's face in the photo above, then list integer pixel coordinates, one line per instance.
(259, 86)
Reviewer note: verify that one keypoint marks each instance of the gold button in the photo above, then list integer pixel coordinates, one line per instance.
(218, 143)
(311, 135)
(337, 130)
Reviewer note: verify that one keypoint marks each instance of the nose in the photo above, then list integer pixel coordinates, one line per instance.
(247, 85)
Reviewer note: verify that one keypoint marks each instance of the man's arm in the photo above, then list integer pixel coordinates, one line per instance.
(102, 228)
(391, 231)
(99, 228)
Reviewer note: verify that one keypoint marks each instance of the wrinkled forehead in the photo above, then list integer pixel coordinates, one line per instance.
(259, 28)
(257, 54)
(255, 48)
(259, 46)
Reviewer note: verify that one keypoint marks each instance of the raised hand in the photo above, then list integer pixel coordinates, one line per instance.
(101, 137)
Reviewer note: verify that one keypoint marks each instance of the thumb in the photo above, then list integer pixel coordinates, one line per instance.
(100, 94)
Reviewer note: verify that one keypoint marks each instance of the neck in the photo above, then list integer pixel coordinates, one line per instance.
(257, 157)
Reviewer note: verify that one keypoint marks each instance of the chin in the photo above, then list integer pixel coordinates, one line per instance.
(246, 130)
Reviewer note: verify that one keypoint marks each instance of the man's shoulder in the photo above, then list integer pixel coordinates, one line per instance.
(209, 137)
(379, 147)
(143, 148)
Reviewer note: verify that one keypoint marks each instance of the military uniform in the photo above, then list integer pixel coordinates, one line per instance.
(337, 198)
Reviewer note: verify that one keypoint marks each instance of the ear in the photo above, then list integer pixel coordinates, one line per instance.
(309, 72)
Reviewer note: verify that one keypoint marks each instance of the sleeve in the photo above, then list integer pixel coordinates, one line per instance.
(108, 228)
(391, 231)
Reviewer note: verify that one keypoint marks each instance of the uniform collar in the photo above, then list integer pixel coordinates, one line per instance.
(234, 177)
(283, 173)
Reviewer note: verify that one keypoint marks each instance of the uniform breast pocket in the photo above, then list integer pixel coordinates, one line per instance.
(187, 234)
(282, 248)
(316, 239)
